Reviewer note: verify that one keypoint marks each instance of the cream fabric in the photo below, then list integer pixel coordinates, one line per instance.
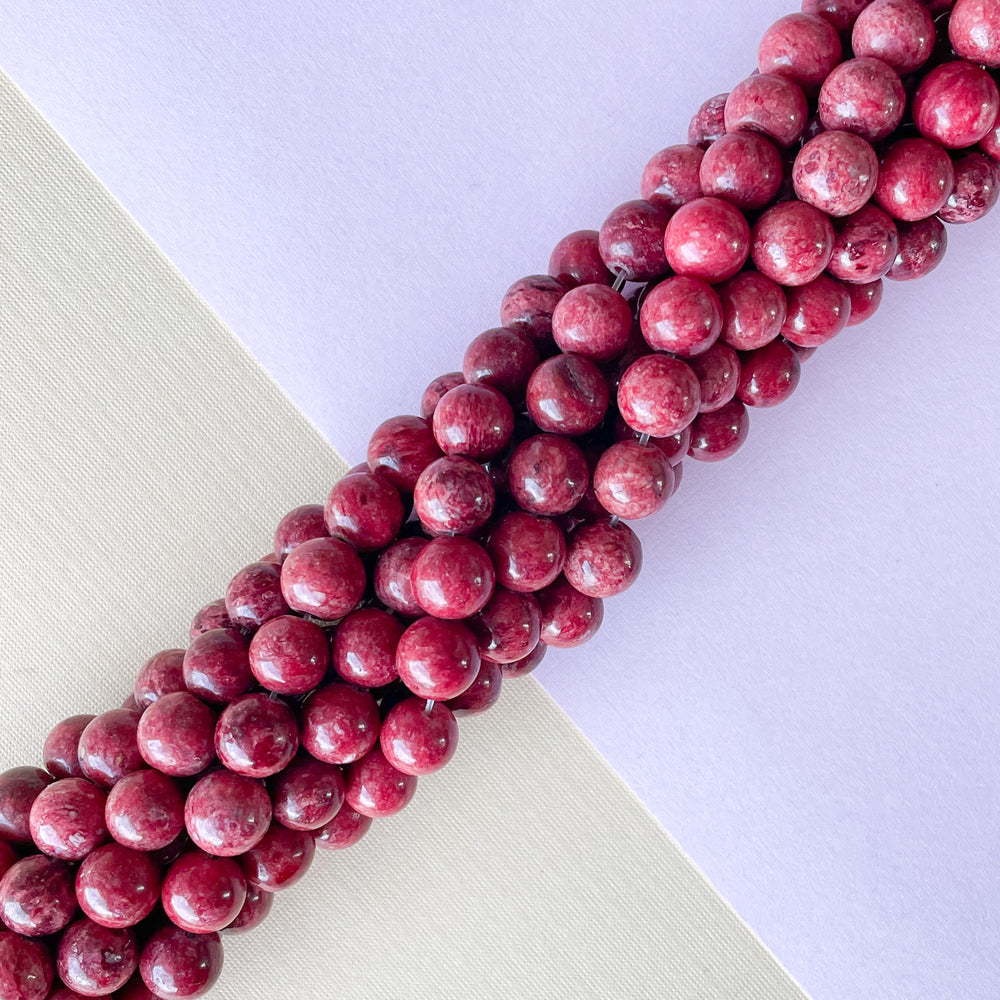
(145, 456)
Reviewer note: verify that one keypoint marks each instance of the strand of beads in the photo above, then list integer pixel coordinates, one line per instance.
(328, 680)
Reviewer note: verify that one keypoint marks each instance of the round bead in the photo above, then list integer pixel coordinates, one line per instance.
(507, 628)
(682, 315)
(658, 395)
(863, 96)
(523, 667)
(453, 495)
(108, 749)
(899, 32)
(707, 238)
(715, 436)
(324, 578)
(977, 186)
(482, 693)
(399, 450)
(37, 897)
(602, 558)
(177, 965)
(743, 168)
(437, 659)
(708, 123)
(864, 246)
(865, 300)
(26, 969)
(576, 260)
(840, 13)
(289, 655)
(256, 735)
(298, 526)
(375, 788)
(501, 358)
(527, 551)
(592, 320)
(226, 813)
(567, 394)
(452, 577)
(717, 371)
(339, 724)
(67, 819)
(213, 615)
(803, 48)
(548, 474)
(254, 595)
(364, 648)
(792, 243)
(769, 104)
(569, 618)
(817, 312)
(281, 858)
(527, 305)
(768, 375)
(921, 246)
(176, 735)
(438, 387)
(61, 750)
(256, 907)
(956, 104)
(753, 310)
(344, 830)
(117, 887)
(203, 894)
(915, 179)
(473, 420)
(307, 794)
(19, 788)
(96, 960)
(671, 177)
(145, 811)
(366, 511)
(392, 576)
(631, 240)
(633, 480)
(162, 673)
(974, 31)
(217, 664)
(836, 172)
(416, 740)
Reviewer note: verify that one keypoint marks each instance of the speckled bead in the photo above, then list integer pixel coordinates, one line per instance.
(96, 960)
(671, 177)
(527, 551)
(674, 447)
(61, 750)
(226, 814)
(753, 310)
(253, 595)
(26, 968)
(454, 495)
(256, 735)
(437, 659)
(792, 243)
(717, 371)
(365, 510)
(145, 810)
(922, 244)
(899, 32)
(473, 420)
(915, 179)
(417, 740)
(176, 735)
(576, 260)
(524, 667)
(344, 830)
(364, 648)
(176, 965)
(400, 449)
(817, 312)
(633, 480)
(117, 887)
(19, 788)
(977, 186)
(452, 577)
(482, 694)
(956, 104)
(307, 794)
(803, 48)
(707, 238)
(681, 315)
(569, 618)
(744, 168)
(254, 911)
(281, 858)
(659, 395)
(217, 663)
(298, 526)
(507, 628)
(37, 897)
(392, 576)
(864, 96)
(567, 394)
(603, 559)
(974, 31)
(769, 375)
(769, 104)
(865, 300)
(836, 172)
(339, 724)
(108, 749)
(289, 655)
(67, 819)
(631, 240)
(203, 894)
(864, 247)
(438, 387)
(527, 305)
(547, 474)
(592, 320)
(375, 788)
(162, 673)
(212, 616)
(719, 435)
(501, 358)
(840, 13)
(324, 578)
(709, 122)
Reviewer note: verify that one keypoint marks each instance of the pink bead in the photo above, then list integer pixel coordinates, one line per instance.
(548, 474)
(717, 371)
(528, 552)
(707, 238)
(67, 819)
(528, 303)
(399, 450)
(974, 31)
(254, 595)
(769, 104)
(339, 724)
(202, 894)
(433, 393)
(366, 511)
(633, 480)
(865, 300)
(324, 578)
(453, 495)
(802, 48)
(211, 616)
(108, 749)
(145, 811)
(682, 315)
(344, 830)
(437, 659)
(524, 667)
(176, 735)
(915, 179)
(226, 814)
(507, 628)
(375, 788)
(178, 965)
(61, 750)
(392, 576)
(26, 968)
(117, 887)
(792, 243)
(977, 186)
(836, 172)
(957, 104)
(840, 13)
(37, 896)
(576, 260)
(899, 32)
(307, 794)
(743, 168)
(473, 420)
(863, 96)
(991, 144)
(817, 312)
(864, 247)
(631, 240)
(452, 577)
(482, 694)
(592, 320)
(217, 664)
(162, 673)
(501, 358)
(753, 309)
(567, 394)
(256, 735)
(96, 960)
(289, 655)
(298, 526)
(416, 740)
(256, 907)
(281, 858)
(709, 122)
(364, 648)
(19, 788)
(671, 177)
(921, 246)
(716, 436)
(769, 375)
(659, 395)
(569, 618)
(603, 559)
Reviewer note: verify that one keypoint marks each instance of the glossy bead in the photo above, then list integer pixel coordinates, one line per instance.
(523, 667)
(915, 179)
(96, 960)
(417, 740)
(792, 243)
(802, 48)
(473, 420)
(60, 752)
(769, 104)
(176, 735)
(289, 655)
(375, 788)
(671, 177)
(602, 558)
(145, 811)
(569, 618)
(659, 395)
(977, 186)
(453, 495)
(576, 260)
(547, 474)
(744, 168)
(364, 648)
(19, 787)
(707, 238)
(452, 577)
(226, 814)
(717, 371)
(863, 96)
(37, 897)
(527, 305)
(212, 616)
(899, 32)
(836, 172)
(768, 375)
(753, 310)
(500, 358)
(482, 693)
(108, 749)
(203, 894)
(324, 578)
(921, 246)
(256, 907)
(437, 659)
(527, 551)
(674, 447)
(865, 300)
(567, 394)
(217, 664)
(507, 628)
(840, 13)
(956, 104)
(256, 735)
(254, 595)
(716, 436)
(438, 387)
(817, 312)
(399, 450)
(344, 830)
(339, 724)
(365, 510)
(974, 31)
(633, 480)
(392, 576)
(162, 673)
(631, 240)
(281, 858)
(592, 320)
(117, 887)
(26, 968)
(864, 246)
(176, 965)
(298, 526)
(307, 794)
(709, 122)
(67, 819)
(681, 315)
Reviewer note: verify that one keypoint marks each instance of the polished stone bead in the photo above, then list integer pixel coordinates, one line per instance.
(974, 31)
(19, 787)
(162, 673)
(254, 595)
(671, 177)
(339, 724)
(344, 830)
(768, 375)
(708, 123)
(865, 300)
(527, 305)
(145, 810)
(716, 436)
(375, 788)
(603, 558)
(631, 240)
(473, 420)
(681, 315)
(26, 968)
(453, 495)
(569, 618)
(753, 310)
(61, 752)
(117, 887)
(298, 526)
(307, 794)
(256, 907)
(256, 735)
(547, 474)
(226, 814)
(527, 551)
(840, 13)
(37, 896)
(792, 243)
(707, 238)
(324, 578)
(956, 104)
(437, 659)
(452, 577)
(176, 965)
(744, 168)
(593, 321)
(915, 179)
(576, 260)
(674, 447)
(202, 894)
(67, 819)
(977, 186)
(659, 395)
(501, 358)
(399, 450)
(899, 32)
(769, 104)
(217, 663)
(212, 616)
(817, 312)
(108, 749)
(507, 628)
(289, 655)
(717, 371)
(864, 96)
(419, 739)
(922, 244)
(802, 48)
(836, 172)
(281, 858)
(633, 480)
(364, 647)
(438, 387)
(523, 667)
(365, 510)
(176, 735)
(567, 394)
(96, 960)
(864, 246)
(392, 576)
(482, 693)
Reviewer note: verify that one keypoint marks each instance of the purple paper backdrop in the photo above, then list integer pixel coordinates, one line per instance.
(803, 685)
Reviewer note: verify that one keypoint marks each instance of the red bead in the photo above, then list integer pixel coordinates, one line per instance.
(117, 887)
(289, 655)
(836, 172)
(416, 740)
(817, 312)
(674, 447)
(37, 896)
(203, 894)
(802, 48)
(226, 813)
(145, 811)
(178, 965)
(375, 788)
(364, 648)
(769, 104)
(256, 907)
(956, 104)
(437, 659)
(576, 260)
(453, 495)
(8, 857)
(631, 240)
(298, 526)
(307, 794)
(482, 693)
(528, 303)
(523, 667)
(473, 420)
(709, 122)
(501, 358)
(281, 858)
(840, 13)
(715, 436)
(162, 673)
(659, 395)
(864, 246)
(212, 616)
(67, 819)
(633, 480)
(399, 450)
(603, 559)
(507, 628)
(452, 577)
(527, 551)
(339, 724)
(899, 32)
(256, 735)
(592, 320)
(324, 578)
(254, 595)
(108, 749)
(671, 177)
(974, 31)
(96, 960)
(548, 474)
(743, 168)
(19, 788)
(365, 510)
(769, 375)
(707, 238)
(865, 300)
(433, 393)
(753, 309)
(567, 394)
(977, 186)
(392, 576)
(921, 246)
(344, 830)
(61, 750)
(26, 968)
(792, 243)
(681, 315)
(217, 665)
(569, 618)
(915, 179)
(176, 735)
(863, 96)
(717, 371)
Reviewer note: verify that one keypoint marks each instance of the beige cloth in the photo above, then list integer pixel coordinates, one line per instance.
(145, 457)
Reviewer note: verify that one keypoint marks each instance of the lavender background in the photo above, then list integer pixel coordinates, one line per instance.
(802, 687)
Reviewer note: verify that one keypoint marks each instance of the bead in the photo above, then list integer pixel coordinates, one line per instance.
(256, 735)
(977, 186)
(19, 787)
(26, 969)
(37, 897)
(671, 177)
(659, 395)
(176, 735)
(990, 145)
(416, 740)
(592, 320)
(915, 179)
(482, 693)
(567, 394)
(792, 243)
(162, 673)
(602, 558)
(707, 238)
(8, 857)
(178, 965)
(899, 32)
(145, 811)
(453, 495)
(96, 960)
(802, 48)
(673, 447)
(527, 665)
(715, 436)
(576, 260)
(836, 172)
(769, 375)
(256, 907)
(817, 312)
(375, 788)
(840, 13)
(392, 576)
(67, 819)
(117, 887)
(307, 794)
(217, 664)
(709, 122)
(632, 480)
(399, 450)
(324, 578)
(569, 618)
(974, 31)
(452, 577)
(254, 595)
(61, 751)
(108, 749)
(744, 168)
(865, 300)
(438, 387)
(437, 659)
(507, 628)
(501, 358)
(344, 830)
(769, 104)
(281, 858)
(863, 96)
(364, 510)
(682, 315)
(298, 526)
(717, 371)
(921, 246)
(364, 648)
(547, 474)
(226, 814)
(753, 310)
(213, 615)
(289, 655)
(473, 420)
(527, 305)
(203, 894)
(864, 246)
(339, 724)
(957, 103)
(631, 240)
(527, 551)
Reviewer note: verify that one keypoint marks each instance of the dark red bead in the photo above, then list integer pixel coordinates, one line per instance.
(633, 480)
(921, 246)
(567, 394)
(753, 309)
(8, 857)
(956, 104)
(176, 735)
(864, 246)
(307, 794)
(473, 420)
(707, 238)
(548, 474)
(339, 724)
(256, 907)
(392, 576)
(399, 450)
(256, 735)
(817, 312)
(375, 788)
(162, 673)
(709, 122)
(527, 305)
(527, 551)
(67, 819)
(836, 172)
(977, 186)
(226, 813)
(769, 375)
(254, 595)
(792, 243)
(507, 628)
(718, 435)
(603, 558)
(417, 739)
(452, 577)
(437, 659)
(671, 177)
(37, 896)
(211, 616)
(682, 315)
(96, 960)
(108, 749)
(899, 32)
(19, 787)
(717, 371)
(501, 358)
(61, 751)
(438, 387)
(176, 964)
(364, 648)
(803, 48)
(482, 693)
(744, 168)
(569, 618)
(26, 968)
(117, 887)
(523, 667)
(145, 811)
(863, 96)
(840, 13)
(974, 31)
(324, 578)
(769, 104)
(289, 655)
(592, 320)
(203, 894)
(298, 526)
(365, 510)
(217, 665)
(915, 180)
(344, 830)
(631, 240)
(453, 495)
(865, 300)
(658, 395)
(576, 260)
(281, 858)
